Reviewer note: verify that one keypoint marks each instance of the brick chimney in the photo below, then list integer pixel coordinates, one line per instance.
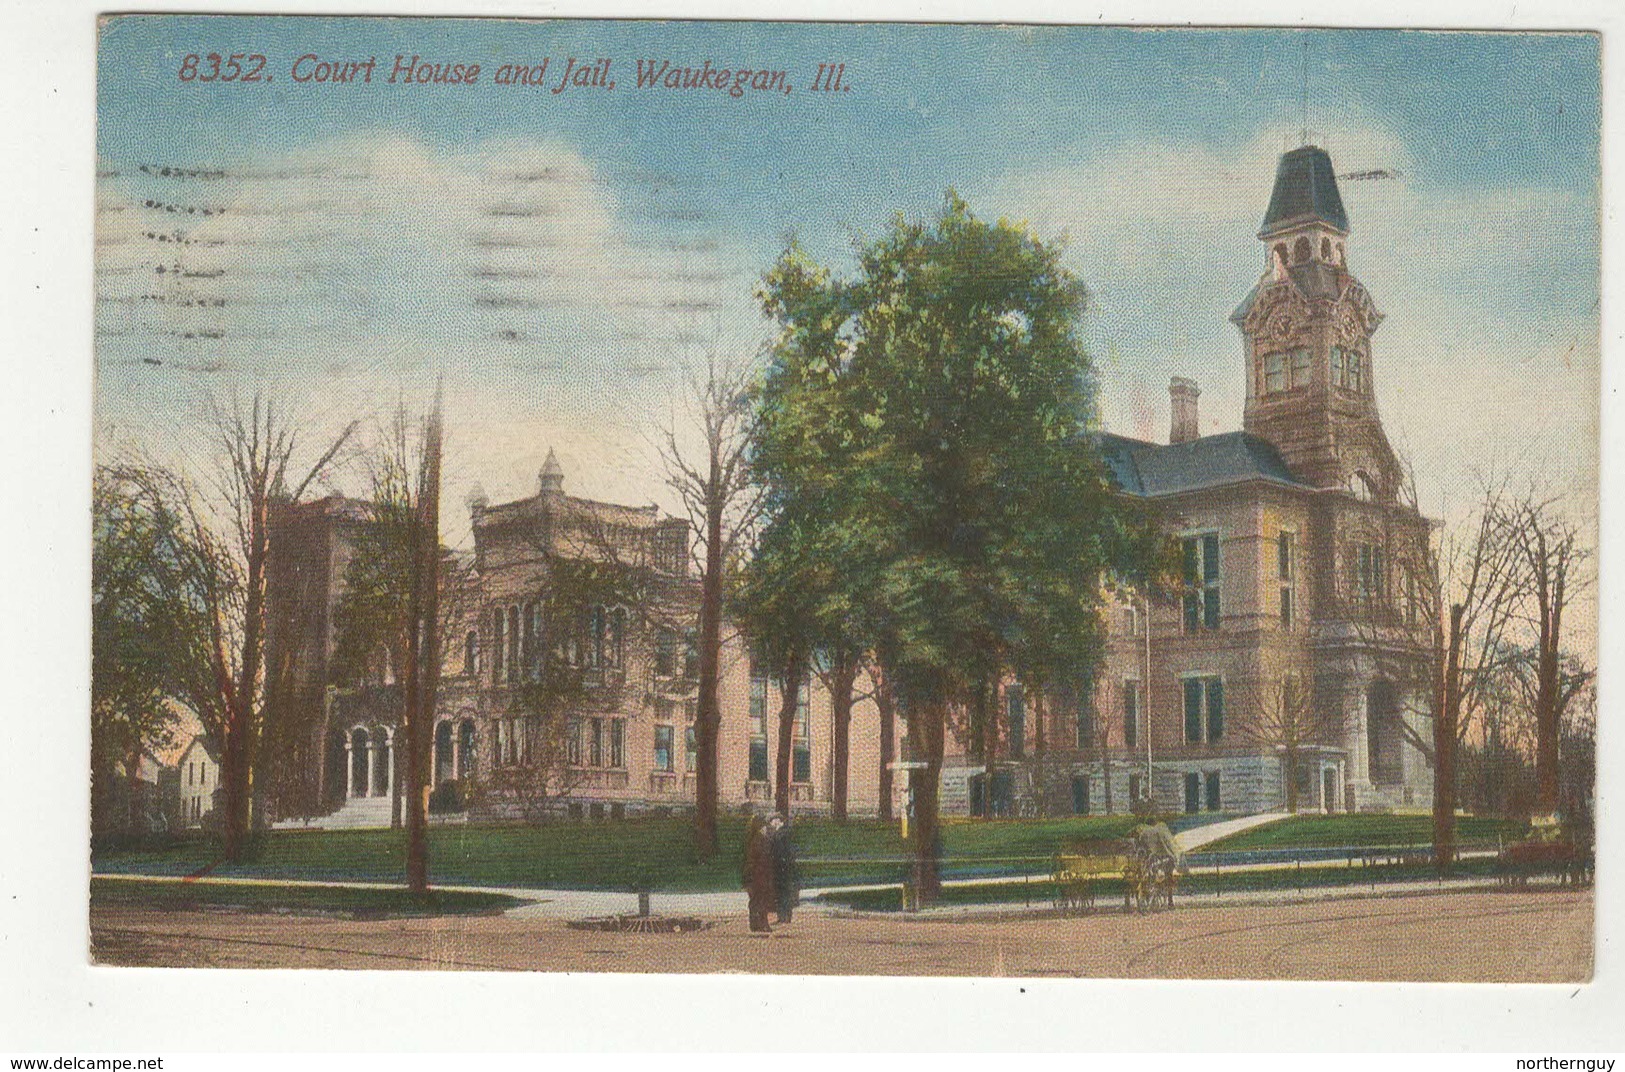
(1182, 396)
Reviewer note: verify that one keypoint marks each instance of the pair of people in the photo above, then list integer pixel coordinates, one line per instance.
(769, 873)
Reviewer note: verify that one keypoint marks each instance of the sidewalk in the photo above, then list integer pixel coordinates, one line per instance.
(1197, 836)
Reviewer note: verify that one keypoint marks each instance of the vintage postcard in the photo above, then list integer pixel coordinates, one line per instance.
(845, 498)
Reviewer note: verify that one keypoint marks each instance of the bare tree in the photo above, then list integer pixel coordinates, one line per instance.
(230, 538)
(1457, 607)
(1550, 553)
(1284, 717)
(396, 597)
(714, 484)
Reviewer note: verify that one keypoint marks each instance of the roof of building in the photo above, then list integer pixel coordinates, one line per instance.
(1152, 469)
(1305, 189)
(573, 508)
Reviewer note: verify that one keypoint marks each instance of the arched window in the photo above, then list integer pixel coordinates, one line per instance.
(1325, 249)
(1301, 250)
(1363, 487)
(471, 653)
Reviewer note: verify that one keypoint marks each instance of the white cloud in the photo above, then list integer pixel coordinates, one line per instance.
(1488, 357)
(558, 302)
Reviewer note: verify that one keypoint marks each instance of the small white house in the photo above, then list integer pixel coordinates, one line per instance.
(199, 771)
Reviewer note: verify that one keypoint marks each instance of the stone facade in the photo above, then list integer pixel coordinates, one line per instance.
(568, 685)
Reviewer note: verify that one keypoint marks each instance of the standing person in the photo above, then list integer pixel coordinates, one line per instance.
(786, 880)
(756, 875)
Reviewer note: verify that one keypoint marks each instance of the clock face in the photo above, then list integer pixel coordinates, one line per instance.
(1278, 319)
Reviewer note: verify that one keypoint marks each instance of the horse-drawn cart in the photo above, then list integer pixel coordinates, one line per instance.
(1081, 867)
(1147, 861)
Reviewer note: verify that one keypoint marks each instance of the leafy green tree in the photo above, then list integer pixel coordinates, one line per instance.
(139, 623)
(979, 520)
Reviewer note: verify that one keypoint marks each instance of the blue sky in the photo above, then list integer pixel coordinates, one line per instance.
(359, 255)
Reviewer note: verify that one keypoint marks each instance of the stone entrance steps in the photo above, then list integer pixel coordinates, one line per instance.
(358, 813)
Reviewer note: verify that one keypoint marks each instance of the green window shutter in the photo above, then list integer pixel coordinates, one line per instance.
(1193, 710)
(1210, 558)
(1191, 568)
(1131, 713)
(1215, 709)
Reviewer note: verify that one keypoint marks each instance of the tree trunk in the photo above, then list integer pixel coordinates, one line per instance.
(1106, 769)
(1548, 715)
(887, 710)
(927, 725)
(1448, 715)
(841, 680)
(708, 715)
(789, 694)
(239, 740)
(988, 719)
(1290, 757)
(423, 663)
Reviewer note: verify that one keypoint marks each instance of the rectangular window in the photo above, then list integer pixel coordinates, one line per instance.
(1300, 367)
(1340, 366)
(1135, 783)
(1131, 714)
(1204, 709)
(617, 743)
(1286, 554)
(1193, 792)
(1131, 621)
(1086, 715)
(663, 739)
(1201, 570)
(497, 647)
(666, 653)
(758, 725)
(1080, 794)
(595, 744)
(572, 742)
(1369, 580)
(1212, 790)
(513, 644)
(1274, 372)
(527, 645)
(801, 736)
(1015, 708)
(691, 750)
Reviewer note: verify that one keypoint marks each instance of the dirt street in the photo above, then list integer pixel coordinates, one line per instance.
(1542, 936)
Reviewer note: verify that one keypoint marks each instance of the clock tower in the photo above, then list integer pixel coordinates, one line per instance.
(1307, 327)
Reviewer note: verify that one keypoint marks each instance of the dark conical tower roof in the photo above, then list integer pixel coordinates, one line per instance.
(1305, 189)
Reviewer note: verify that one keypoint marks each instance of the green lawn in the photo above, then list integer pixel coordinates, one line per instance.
(611, 855)
(323, 900)
(1322, 831)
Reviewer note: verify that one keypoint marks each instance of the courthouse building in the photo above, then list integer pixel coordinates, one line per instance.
(1286, 657)
(1290, 652)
